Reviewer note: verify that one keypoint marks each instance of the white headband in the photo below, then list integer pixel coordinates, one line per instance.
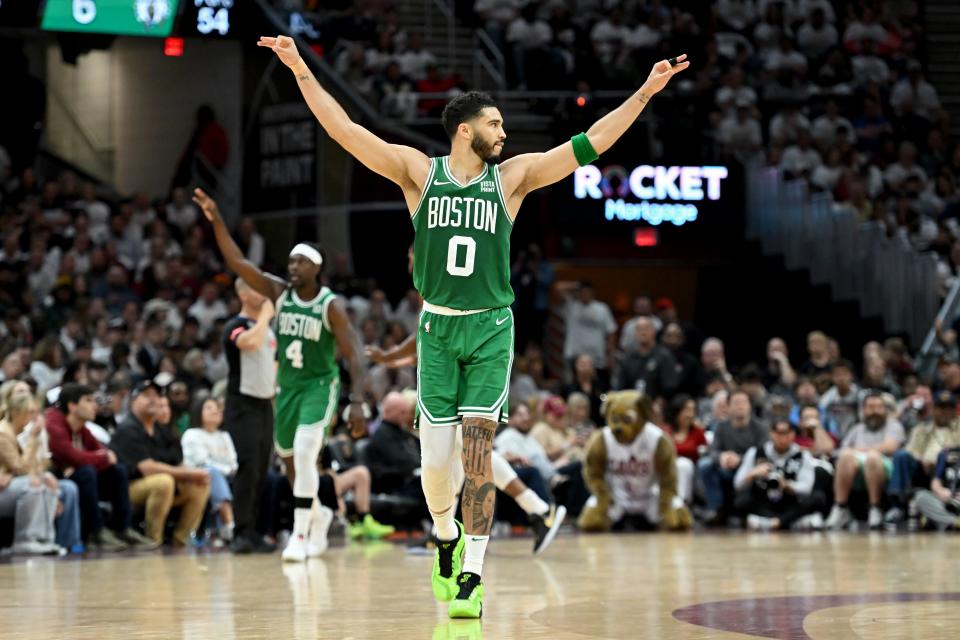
(307, 252)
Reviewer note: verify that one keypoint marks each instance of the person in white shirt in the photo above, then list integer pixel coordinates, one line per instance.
(831, 126)
(736, 14)
(591, 328)
(825, 176)
(800, 159)
(251, 241)
(916, 91)
(786, 125)
(905, 167)
(208, 308)
(181, 213)
(786, 58)
(208, 447)
(415, 59)
(868, 67)
(97, 211)
(866, 28)
(609, 35)
(518, 447)
(816, 36)
(740, 132)
(734, 91)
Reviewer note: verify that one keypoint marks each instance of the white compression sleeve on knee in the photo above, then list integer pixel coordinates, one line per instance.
(503, 473)
(306, 450)
(438, 468)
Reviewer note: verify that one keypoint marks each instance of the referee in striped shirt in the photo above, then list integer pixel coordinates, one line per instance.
(251, 347)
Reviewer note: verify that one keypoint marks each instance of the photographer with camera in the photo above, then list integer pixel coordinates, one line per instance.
(941, 504)
(775, 483)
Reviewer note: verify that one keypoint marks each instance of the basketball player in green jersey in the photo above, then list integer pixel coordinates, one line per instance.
(311, 326)
(462, 207)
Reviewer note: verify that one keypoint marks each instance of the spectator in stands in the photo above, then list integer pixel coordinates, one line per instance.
(778, 376)
(800, 160)
(153, 459)
(816, 35)
(209, 308)
(211, 449)
(587, 381)
(650, 367)
(896, 175)
(865, 458)
(913, 466)
(555, 434)
(731, 441)
(24, 450)
(250, 242)
(393, 454)
(818, 362)
(674, 339)
(812, 436)
(149, 355)
(178, 393)
(713, 364)
(688, 436)
(520, 448)
(591, 328)
(941, 504)
(775, 484)
(99, 477)
(736, 14)
(415, 60)
(841, 400)
(831, 127)
(739, 133)
(46, 366)
(180, 212)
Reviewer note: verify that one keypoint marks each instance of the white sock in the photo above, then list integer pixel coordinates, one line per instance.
(445, 524)
(301, 521)
(531, 503)
(474, 552)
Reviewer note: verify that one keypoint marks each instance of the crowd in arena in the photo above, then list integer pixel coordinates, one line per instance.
(113, 362)
(114, 316)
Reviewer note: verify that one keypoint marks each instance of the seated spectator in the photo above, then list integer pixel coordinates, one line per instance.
(209, 448)
(736, 14)
(785, 127)
(812, 436)
(674, 338)
(913, 465)
(689, 438)
(208, 308)
(642, 308)
(831, 127)
(917, 92)
(588, 382)
(355, 479)
(865, 459)
(841, 400)
(650, 368)
(27, 492)
(518, 446)
(578, 415)
(555, 434)
(869, 68)
(393, 454)
(818, 349)
(740, 133)
(734, 92)
(591, 329)
(941, 504)
(153, 458)
(713, 366)
(801, 159)
(816, 36)
(775, 484)
(731, 441)
(906, 167)
(94, 468)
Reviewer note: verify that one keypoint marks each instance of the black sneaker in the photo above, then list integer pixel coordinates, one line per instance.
(545, 527)
(241, 546)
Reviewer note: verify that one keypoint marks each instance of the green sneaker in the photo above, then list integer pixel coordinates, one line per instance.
(356, 530)
(374, 530)
(469, 600)
(447, 565)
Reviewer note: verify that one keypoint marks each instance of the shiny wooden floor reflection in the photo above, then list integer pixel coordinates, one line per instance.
(625, 586)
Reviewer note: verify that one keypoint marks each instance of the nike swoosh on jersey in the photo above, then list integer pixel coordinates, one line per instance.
(502, 320)
(437, 183)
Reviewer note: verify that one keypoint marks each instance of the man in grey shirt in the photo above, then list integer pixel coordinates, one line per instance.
(731, 440)
(866, 458)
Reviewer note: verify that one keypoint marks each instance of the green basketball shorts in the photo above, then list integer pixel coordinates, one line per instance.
(463, 366)
(308, 407)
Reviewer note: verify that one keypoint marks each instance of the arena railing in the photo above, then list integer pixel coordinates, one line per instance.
(885, 275)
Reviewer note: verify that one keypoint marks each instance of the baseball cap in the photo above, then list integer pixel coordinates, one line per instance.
(945, 398)
(143, 385)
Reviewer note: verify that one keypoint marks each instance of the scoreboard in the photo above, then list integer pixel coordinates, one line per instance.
(149, 18)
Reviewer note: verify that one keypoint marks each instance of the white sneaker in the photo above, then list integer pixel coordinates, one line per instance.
(801, 524)
(839, 518)
(296, 550)
(816, 521)
(319, 526)
(875, 519)
(759, 523)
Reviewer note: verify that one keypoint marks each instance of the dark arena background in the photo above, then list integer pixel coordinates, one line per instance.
(770, 255)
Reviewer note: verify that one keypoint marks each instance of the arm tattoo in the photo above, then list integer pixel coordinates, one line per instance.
(303, 77)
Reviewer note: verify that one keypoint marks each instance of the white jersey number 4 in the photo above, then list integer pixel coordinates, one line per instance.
(294, 354)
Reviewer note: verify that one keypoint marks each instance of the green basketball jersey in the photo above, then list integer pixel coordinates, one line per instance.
(462, 243)
(306, 348)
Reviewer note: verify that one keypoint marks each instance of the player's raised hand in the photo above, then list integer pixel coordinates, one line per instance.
(207, 204)
(662, 72)
(283, 46)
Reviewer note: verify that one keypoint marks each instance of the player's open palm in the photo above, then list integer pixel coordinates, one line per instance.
(207, 204)
(283, 46)
(662, 72)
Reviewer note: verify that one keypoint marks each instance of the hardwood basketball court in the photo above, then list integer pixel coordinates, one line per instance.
(616, 586)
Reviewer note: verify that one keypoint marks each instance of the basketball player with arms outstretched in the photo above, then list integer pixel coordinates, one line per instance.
(462, 207)
(311, 326)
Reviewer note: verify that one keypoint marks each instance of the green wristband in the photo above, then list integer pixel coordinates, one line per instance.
(583, 150)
